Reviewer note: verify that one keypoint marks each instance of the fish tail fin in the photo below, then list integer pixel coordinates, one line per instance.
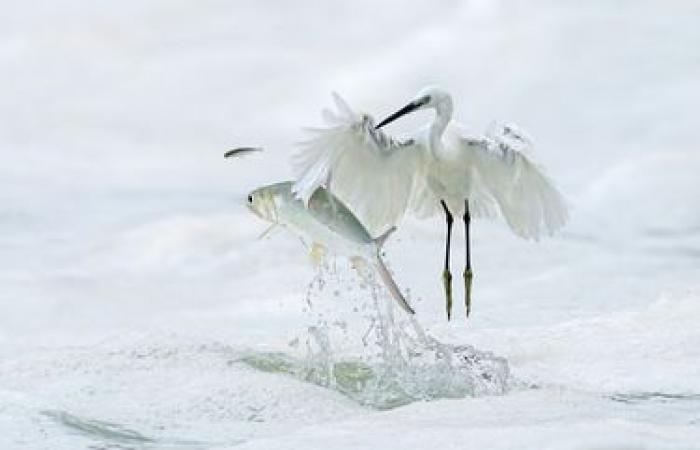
(391, 284)
(381, 239)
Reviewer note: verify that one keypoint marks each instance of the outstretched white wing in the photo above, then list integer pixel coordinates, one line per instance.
(527, 199)
(370, 172)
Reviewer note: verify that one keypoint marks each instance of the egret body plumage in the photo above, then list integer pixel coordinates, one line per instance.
(438, 169)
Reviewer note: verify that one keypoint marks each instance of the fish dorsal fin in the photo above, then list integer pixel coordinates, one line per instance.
(381, 239)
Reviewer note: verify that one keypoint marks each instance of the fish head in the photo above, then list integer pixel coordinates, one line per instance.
(263, 203)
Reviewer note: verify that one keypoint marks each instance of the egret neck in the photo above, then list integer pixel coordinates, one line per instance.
(443, 115)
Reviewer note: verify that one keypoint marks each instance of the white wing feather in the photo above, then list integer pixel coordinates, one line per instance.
(370, 172)
(379, 178)
(527, 199)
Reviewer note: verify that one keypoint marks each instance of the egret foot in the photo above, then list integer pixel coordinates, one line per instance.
(468, 275)
(447, 283)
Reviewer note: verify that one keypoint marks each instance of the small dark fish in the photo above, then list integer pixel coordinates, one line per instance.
(241, 151)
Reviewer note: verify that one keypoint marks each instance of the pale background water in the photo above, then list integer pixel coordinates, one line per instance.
(130, 273)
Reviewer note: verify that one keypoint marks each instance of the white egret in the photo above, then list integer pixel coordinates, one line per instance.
(438, 168)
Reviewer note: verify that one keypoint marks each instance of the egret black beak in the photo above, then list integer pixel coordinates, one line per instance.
(414, 105)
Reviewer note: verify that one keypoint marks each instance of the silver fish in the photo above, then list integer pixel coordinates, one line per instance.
(325, 225)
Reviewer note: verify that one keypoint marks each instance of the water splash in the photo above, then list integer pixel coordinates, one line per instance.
(358, 344)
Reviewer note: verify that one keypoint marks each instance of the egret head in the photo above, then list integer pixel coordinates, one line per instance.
(428, 97)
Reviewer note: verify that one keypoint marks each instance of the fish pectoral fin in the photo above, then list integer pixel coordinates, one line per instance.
(317, 253)
(267, 231)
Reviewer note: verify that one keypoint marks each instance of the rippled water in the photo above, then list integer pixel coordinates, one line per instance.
(355, 351)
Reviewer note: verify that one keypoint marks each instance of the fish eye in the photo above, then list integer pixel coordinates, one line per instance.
(250, 199)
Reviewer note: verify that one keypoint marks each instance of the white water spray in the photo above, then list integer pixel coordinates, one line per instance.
(358, 344)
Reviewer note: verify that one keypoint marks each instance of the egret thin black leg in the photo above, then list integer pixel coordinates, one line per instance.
(446, 275)
(468, 275)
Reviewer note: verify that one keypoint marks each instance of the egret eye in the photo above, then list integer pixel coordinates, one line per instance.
(250, 199)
